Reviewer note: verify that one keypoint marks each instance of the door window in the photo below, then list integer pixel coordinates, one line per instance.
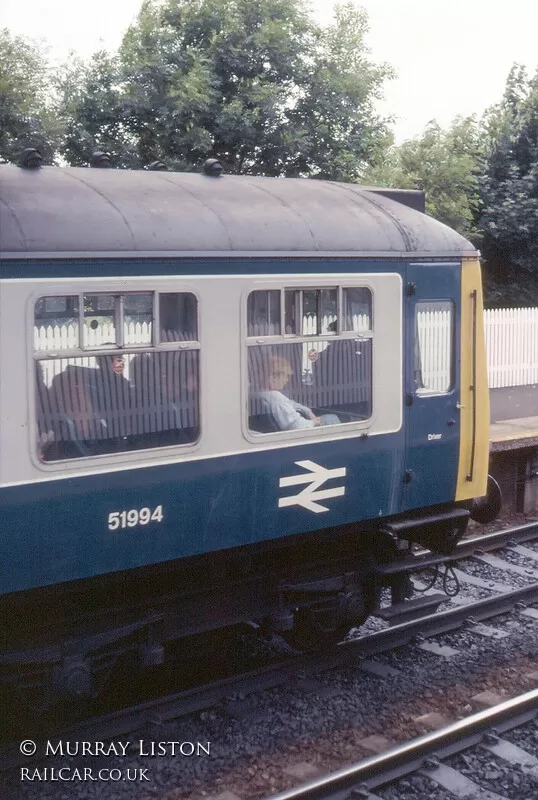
(434, 335)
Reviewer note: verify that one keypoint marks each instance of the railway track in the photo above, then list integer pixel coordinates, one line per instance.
(425, 754)
(466, 548)
(397, 634)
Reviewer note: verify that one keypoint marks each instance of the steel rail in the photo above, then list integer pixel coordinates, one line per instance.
(466, 548)
(172, 706)
(379, 770)
(442, 621)
(198, 698)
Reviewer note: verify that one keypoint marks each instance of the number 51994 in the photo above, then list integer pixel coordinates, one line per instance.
(134, 517)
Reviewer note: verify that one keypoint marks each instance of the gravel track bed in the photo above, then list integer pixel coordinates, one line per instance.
(495, 774)
(466, 591)
(508, 623)
(494, 575)
(413, 788)
(482, 767)
(518, 560)
(320, 721)
(525, 737)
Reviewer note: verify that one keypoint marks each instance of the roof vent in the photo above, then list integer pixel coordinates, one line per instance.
(100, 160)
(212, 167)
(159, 166)
(30, 158)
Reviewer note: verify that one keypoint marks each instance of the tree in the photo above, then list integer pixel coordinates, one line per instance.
(26, 117)
(446, 164)
(254, 83)
(509, 191)
(340, 133)
(93, 113)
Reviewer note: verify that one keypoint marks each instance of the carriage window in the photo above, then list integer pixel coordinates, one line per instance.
(117, 320)
(263, 313)
(434, 331)
(100, 313)
(323, 376)
(310, 312)
(357, 314)
(137, 396)
(56, 323)
(178, 317)
(137, 319)
(292, 305)
(319, 311)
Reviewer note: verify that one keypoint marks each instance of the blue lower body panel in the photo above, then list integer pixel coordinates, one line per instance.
(76, 528)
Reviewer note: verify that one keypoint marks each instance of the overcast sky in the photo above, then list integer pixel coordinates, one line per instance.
(451, 57)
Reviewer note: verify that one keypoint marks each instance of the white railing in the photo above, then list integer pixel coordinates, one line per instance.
(511, 345)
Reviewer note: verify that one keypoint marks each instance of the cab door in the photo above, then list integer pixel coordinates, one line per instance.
(432, 390)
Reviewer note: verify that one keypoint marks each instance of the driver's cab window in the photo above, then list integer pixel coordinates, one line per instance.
(434, 347)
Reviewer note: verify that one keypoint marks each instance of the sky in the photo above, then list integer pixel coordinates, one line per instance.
(451, 58)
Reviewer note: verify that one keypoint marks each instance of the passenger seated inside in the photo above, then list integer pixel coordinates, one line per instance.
(288, 414)
(113, 396)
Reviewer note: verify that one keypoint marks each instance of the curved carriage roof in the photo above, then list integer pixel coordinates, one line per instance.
(55, 210)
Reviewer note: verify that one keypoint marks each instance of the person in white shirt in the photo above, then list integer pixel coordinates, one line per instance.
(288, 414)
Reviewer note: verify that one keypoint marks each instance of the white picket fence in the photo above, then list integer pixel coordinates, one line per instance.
(511, 344)
(59, 338)
(66, 337)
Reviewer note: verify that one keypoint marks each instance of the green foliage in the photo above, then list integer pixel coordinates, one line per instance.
(92, 112)
(254, 83)
(260, 86)
(509, 188)
(446, 164)
(336, 130)
(26, 118)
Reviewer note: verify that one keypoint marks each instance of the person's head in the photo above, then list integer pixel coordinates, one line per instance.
(278, 373)
(116, 364)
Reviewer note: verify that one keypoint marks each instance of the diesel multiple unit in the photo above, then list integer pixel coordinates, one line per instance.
(222, 399)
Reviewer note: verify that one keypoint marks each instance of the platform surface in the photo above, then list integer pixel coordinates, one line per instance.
(513, 402)
(511, 434)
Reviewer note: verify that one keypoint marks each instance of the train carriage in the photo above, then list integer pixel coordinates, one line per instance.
(222, 399)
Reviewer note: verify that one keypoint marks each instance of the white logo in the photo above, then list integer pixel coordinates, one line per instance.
(308, 498)
(432, 437)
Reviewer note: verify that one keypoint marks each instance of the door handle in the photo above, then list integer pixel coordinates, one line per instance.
(460, 406)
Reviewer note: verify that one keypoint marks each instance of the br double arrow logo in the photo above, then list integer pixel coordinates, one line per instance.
(310, 496)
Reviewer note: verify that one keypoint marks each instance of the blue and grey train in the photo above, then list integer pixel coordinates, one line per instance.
(222, 399)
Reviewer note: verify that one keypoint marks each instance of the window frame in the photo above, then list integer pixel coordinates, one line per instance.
(156, 346)
(345, 429)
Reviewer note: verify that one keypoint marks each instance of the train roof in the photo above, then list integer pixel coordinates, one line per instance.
(58, 211)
